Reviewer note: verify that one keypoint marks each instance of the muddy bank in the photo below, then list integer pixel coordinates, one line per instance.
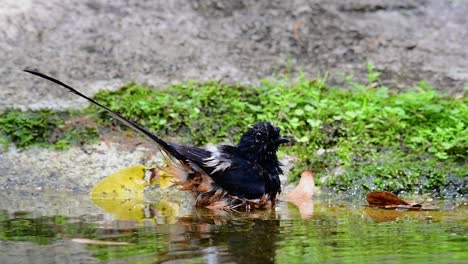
(101, 45)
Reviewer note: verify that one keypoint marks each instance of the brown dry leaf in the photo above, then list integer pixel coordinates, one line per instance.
(388, 200)
(301, 196)
(384, 199)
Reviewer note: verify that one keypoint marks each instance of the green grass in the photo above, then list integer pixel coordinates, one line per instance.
(46, 128)
(413, 141)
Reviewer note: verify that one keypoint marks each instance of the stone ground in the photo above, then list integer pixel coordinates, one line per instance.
(102, 44)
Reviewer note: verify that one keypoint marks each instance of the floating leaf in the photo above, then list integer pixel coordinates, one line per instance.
(121, 194)
(388, 200)
(384, 198)
(167, 210)
(301, 196)
(124, 209)
(127, 183)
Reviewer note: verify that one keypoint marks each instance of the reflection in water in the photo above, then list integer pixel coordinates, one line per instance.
(332, 234)
(229, 237)
(212, 236)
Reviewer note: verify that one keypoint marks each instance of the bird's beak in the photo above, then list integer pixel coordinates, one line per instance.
(283, 140)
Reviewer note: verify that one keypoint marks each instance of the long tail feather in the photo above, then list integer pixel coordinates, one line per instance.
(164, 145)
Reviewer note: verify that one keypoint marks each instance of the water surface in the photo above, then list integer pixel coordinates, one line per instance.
(51, 228)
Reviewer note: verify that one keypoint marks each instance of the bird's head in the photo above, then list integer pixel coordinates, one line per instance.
(261, 142)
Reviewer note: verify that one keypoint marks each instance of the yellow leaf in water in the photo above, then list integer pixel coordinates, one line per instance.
(127, 183)
(165, 179)
(168, 211)
(123, 209)
(121, 194)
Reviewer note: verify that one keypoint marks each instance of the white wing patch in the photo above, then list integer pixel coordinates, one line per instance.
(216, 160)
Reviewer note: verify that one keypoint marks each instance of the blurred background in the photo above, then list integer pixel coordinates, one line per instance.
(102, 44)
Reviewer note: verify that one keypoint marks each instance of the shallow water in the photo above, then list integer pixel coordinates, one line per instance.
(51, 228)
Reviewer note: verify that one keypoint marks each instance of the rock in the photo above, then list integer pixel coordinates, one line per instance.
(95, 45)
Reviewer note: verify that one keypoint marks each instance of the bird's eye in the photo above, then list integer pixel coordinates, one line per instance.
(258, 137)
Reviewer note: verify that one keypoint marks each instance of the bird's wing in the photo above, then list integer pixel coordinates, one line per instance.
(231, 172)
(212, 160)
(196, 155)
(243, 179)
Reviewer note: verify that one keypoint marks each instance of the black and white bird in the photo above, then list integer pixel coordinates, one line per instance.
(242, 177)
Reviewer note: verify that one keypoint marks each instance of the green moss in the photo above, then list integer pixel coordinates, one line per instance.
(409, 141)
(205, 112)
(45, 128)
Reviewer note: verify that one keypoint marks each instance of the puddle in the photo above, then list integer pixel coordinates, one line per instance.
(68, 228)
